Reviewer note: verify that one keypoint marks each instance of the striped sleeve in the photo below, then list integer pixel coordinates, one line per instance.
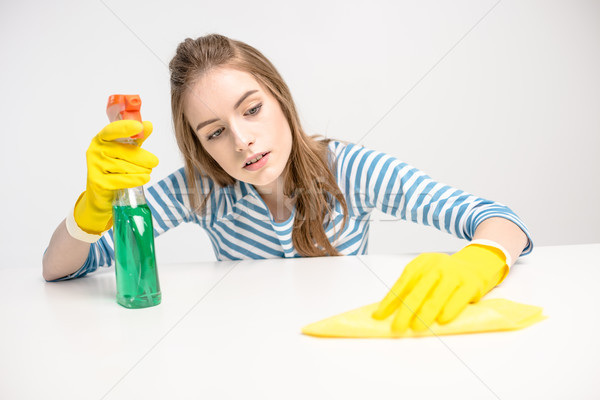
(170, 206)
(375, 180)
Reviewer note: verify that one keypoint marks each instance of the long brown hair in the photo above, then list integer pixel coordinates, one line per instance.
(309, 179)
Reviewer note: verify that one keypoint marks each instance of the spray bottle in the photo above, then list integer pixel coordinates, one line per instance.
(133, 234)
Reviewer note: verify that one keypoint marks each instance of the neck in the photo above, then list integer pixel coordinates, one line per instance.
(278, 203)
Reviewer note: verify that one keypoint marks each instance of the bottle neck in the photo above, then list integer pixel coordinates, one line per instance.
(129, 197)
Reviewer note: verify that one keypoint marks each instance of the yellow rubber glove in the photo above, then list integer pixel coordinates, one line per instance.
(437, 287)
(112, 166)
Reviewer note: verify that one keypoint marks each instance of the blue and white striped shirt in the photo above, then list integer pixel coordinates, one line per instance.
(240, 225)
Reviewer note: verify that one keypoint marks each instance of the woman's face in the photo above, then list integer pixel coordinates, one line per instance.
(241, 125)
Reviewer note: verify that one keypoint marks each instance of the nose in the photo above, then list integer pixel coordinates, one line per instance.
(243, 140)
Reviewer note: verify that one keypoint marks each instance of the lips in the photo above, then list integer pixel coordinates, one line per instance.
(254, 158)
(260, 161)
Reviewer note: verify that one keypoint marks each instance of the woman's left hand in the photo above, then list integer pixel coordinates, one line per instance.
(437, 286)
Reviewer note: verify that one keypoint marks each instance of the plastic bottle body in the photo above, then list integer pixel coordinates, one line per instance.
(135, 261)
(133, 233)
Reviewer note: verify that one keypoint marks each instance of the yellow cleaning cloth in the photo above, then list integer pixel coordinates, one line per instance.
(484, 316)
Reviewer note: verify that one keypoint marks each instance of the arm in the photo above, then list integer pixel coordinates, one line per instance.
(64, 255)
(434, 286)
(110, 166)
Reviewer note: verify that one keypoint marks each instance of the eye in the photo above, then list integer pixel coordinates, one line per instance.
(215, 134)
(254, 110)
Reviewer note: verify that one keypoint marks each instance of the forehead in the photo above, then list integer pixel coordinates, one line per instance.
(218, 87)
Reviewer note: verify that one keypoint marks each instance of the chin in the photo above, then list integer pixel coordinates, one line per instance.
(263, 182)
(267, 178)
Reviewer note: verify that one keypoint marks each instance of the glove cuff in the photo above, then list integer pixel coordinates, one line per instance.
(76, 232)
(491, 243)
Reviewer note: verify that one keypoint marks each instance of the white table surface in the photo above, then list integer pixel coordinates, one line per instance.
(232, 330)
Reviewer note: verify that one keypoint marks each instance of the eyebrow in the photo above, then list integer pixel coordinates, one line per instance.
(203, 124)
(248, 93)
(237, 104)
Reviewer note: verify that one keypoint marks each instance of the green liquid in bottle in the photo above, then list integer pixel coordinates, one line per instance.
(135, 263)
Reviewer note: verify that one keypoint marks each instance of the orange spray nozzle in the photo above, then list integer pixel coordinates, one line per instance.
(124, 106)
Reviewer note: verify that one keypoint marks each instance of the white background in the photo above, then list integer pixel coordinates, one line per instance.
(501, 99)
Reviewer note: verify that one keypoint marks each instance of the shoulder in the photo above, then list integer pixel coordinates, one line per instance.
(339, 150)
(349, 154)
(337, 147)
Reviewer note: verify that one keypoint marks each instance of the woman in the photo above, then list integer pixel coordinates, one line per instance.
(262, 188)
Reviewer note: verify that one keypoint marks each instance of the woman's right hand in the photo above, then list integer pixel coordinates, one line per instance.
(112, 166)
